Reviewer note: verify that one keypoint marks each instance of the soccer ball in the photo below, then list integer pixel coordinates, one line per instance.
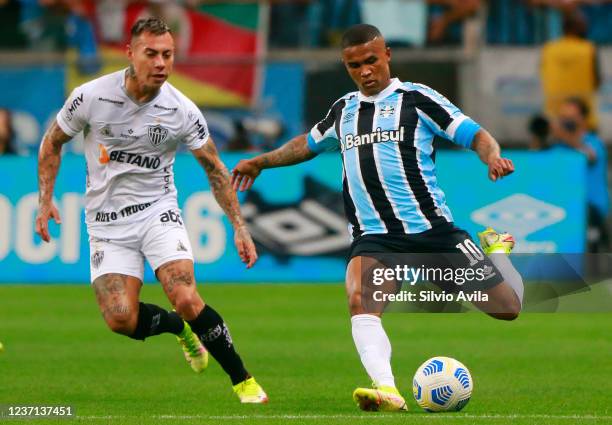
(442, 384)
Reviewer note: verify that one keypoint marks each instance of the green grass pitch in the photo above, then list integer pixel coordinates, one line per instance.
(295, 339)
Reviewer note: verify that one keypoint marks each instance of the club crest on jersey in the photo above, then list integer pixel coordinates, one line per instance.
(386, 111)
(157, 135)
(97, 258)
(106, 131)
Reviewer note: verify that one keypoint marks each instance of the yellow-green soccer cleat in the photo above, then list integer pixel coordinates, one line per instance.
(195, 353)
(249, 391)
(496, 243)
(381, 399)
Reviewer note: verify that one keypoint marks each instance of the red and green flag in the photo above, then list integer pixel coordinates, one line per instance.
(217, 63)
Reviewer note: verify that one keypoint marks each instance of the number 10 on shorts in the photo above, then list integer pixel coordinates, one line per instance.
(471, 251)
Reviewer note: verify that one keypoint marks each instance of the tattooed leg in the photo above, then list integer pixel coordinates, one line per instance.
(117, 296)
(179, 285)
(178, 282)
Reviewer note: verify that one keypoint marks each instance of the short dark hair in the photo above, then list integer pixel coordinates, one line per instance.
(359, 34)
(151, 25)
(579, 103)
(574, 23)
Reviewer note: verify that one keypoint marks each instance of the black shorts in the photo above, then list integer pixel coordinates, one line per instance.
(444, 247)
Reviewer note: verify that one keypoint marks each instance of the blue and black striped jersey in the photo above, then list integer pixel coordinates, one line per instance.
(389, 181)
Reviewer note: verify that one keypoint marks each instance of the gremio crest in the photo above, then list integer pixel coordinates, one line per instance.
(386, 111)
(157, 135)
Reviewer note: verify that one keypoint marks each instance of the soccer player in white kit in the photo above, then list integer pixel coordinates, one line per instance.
(133, 121)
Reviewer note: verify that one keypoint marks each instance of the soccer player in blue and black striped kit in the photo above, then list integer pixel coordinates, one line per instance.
(393, 203)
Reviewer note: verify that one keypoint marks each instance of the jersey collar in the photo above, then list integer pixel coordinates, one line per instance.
(395, 84)
(127, 94)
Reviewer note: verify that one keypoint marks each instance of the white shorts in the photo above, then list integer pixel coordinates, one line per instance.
(160, 237)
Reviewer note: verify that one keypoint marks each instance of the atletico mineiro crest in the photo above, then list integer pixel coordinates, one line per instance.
(157, 135)
(386, 111)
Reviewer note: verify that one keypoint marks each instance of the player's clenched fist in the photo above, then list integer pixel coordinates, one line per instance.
(244, 174)
(500, 167)
(45, 213)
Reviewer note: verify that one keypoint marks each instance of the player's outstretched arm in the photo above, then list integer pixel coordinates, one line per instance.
(219, 180)
(294, 151)
(49, 158)
(489, 152)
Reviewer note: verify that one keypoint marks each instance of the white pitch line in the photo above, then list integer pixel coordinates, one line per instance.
(364, 416)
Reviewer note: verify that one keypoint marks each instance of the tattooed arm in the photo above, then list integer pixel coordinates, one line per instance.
(489, 152)
(218, 177)
(49, 158)
(294, 151)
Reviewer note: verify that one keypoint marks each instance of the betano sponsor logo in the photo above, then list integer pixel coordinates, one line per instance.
(352, 141)
(150, 162)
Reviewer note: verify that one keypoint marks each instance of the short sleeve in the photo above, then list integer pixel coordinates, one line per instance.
(72, 118)
(444, 118)
(195, 133)
(323, 136)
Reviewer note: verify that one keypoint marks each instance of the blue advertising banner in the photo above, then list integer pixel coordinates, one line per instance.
(295, 215)
(33, 95)
(543, 204)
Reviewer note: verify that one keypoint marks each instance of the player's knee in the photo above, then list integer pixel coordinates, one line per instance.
(122, 320)
(355, 302)
(188, 304)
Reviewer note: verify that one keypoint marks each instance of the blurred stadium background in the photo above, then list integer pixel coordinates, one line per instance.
(263, 71)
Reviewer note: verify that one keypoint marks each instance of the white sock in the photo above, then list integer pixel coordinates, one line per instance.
(374, 348)
(509, 273)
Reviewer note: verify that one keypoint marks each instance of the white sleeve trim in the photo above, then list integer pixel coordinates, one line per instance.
(64, 126)
(203, 142)
(454, 125)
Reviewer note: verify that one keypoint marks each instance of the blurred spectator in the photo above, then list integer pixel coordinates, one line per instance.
(599, 16)
(291, 24)
(524, 22)
(339, 15)
(80, 34)
(444, 14)
(569, 68)
(529, 22)
(240, 142)
(7, 135)
(44, 26)
(55, 25)
(539, 131)
(571, 131)
(311, 23)
(11, 35)
(110, 17)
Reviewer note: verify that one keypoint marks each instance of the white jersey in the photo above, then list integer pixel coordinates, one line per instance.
(129, 147)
